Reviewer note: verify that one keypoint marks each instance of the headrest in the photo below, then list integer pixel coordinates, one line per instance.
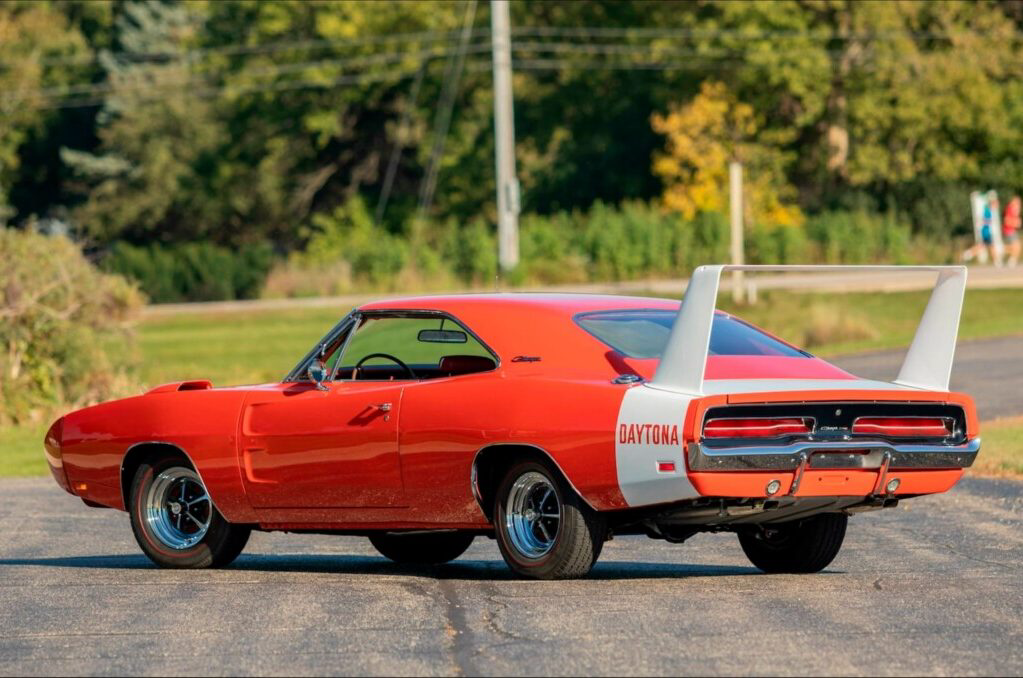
(465, 364)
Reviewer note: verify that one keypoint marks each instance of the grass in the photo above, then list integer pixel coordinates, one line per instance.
(254, 347)
(1002, 450)
(229, 348)
(834, 324)
(21, 451)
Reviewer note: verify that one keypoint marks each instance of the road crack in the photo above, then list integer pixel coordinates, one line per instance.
(1007, 566)
(459, 636)
(490, 617)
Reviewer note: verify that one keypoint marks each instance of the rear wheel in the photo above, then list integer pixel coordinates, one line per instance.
(174, 520)
(424, 548)
(544, 529)
(799, 547)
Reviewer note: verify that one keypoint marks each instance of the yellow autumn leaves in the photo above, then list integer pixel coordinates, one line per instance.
(701, 138)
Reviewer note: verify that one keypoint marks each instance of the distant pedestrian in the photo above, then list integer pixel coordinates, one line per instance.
(1011, 224)
(984, 217)
(992, 217)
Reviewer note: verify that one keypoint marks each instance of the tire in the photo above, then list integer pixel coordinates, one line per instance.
(424, 548)
(536, 544)
(796, 548)
(176, 533)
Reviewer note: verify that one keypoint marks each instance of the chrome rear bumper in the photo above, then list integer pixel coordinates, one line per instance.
(856, 454)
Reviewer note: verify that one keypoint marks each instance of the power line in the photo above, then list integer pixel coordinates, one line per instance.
(399, 146)
(284, 85)
(445, 108)
(282, 69)
(599, 32)
(662, 62)
(746, 34)
(239, 49)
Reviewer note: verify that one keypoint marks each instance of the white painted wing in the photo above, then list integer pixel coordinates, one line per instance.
(928, 364)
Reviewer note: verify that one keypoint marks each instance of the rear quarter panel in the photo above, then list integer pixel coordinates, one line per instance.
(445, 423)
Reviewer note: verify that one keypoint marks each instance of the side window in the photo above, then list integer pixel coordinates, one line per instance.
(396, 348)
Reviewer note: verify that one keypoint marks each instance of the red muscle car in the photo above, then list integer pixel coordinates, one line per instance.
(549, 422)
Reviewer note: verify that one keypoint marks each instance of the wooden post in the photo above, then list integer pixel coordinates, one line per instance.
(735, 209)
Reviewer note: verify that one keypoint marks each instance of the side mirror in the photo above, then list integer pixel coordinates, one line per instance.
(317, 374)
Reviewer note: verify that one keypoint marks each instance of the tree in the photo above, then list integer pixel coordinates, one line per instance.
(33, 38)
(701, 139)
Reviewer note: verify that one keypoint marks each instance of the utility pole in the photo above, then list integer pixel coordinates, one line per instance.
(735, 209)
(504, 132)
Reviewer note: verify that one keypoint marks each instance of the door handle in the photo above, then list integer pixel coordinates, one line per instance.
(383, 407)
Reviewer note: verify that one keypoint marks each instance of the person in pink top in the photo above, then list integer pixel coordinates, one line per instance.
(1010, 230)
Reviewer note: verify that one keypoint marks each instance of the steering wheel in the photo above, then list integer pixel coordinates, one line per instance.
(387, 356)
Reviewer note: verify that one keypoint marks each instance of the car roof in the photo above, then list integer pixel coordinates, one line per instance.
(567, 303)
(530, 324)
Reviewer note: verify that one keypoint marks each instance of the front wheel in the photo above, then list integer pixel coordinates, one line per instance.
(796, 548)
(174, 520)
(543, 528)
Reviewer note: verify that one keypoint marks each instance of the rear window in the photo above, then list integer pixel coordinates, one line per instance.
(643, 334)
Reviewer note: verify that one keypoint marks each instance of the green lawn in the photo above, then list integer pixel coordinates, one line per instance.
(253, 347)
(833, 324)
(229, 348)
(21, 451)
(1002, 448)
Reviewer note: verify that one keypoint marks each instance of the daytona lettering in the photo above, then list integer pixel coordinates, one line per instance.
(648, 434)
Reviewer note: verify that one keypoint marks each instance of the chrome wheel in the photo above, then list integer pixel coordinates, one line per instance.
(178, 509)
(533, 515)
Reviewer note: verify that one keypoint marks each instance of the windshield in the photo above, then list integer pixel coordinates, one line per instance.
(643, 334)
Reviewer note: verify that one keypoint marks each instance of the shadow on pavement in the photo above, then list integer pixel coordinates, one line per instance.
(470, 570)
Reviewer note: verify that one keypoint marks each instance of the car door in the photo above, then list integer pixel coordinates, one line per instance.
(302, 447)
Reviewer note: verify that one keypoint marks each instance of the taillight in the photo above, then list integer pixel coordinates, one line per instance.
(757, 428)
(909, 427)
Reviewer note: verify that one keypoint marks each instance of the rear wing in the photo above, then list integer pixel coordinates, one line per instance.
(928, 364)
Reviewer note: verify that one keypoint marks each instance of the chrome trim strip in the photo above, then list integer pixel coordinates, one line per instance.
(790, 457)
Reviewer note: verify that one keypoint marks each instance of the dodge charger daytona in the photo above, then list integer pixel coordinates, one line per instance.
(549, 422)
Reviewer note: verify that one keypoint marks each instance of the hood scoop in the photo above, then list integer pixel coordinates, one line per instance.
(192, 385)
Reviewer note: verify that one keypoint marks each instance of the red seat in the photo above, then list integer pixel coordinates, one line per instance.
(453, 365)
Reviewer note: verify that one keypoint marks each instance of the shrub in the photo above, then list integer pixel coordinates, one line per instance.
(471, 251)
(192, 271)
(859, 237)
(59, 314)
(829, 325)
(348, 235)
(777, 244)
(346, 251)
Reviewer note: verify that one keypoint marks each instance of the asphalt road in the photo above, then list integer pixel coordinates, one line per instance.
(990, 370)
(930, 587)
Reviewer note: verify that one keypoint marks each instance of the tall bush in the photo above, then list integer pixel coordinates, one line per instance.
(860, 237)
(192, 271)
(62, 320)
